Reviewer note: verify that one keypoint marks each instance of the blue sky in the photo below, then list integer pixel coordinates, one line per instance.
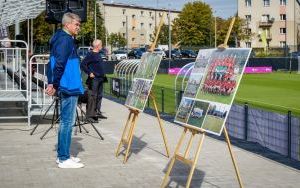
(223, 8)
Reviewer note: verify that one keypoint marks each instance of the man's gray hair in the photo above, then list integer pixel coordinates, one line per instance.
(69, 17)
(97, 42)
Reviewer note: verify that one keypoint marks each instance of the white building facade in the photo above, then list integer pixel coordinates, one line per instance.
(135, 23)
(273, 23)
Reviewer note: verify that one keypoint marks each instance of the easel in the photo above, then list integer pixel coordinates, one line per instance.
(193, 162)
(128, 131)
(127, 134)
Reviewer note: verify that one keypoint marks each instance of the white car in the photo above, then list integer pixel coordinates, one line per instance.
(118, 55)
(159, 51)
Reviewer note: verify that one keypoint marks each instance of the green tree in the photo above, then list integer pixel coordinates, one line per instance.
(87, 31)
(193, 26)
(116, 40)
(239, 31)
(163, 37)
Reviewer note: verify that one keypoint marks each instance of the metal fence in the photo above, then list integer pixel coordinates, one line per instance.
(278, 132)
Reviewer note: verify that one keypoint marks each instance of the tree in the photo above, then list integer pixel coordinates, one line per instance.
(87, 31)
(116, 40)
(194, 24)
(239, 31)
(163, 37)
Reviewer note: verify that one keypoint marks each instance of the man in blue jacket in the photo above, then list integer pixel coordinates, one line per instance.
(64, 79)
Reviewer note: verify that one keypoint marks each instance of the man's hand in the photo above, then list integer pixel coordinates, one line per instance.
(92, 75)
(50, 90)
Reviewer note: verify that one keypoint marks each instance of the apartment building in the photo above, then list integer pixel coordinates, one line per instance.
(273, 23)
(135, 23)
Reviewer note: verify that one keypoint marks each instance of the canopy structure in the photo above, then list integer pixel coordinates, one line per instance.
(12, 11)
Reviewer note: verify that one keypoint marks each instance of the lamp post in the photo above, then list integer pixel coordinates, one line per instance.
(95, 18)
(170, 44)
(215, 29)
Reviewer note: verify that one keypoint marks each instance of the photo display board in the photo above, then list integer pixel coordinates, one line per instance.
(143, 81)
(211, 88)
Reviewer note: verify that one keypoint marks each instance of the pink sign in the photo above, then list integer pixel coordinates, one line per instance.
(251, 70)
(173, 70)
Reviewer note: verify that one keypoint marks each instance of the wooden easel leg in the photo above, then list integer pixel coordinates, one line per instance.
(173, 158)
(130, 135)
(195, 161)
(161, 126)
(123, 134)
(232, 157)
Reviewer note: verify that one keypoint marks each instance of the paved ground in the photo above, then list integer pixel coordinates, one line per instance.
(26, 161)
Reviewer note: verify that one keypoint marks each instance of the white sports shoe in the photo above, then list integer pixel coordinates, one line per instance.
(75, 159)
(69, 163)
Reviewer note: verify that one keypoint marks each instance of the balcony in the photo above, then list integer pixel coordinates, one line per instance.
(268, 37)
(266, 23)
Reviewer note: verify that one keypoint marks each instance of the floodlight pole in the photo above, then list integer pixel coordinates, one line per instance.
(170, 44)
(95, 18)
(215, 29)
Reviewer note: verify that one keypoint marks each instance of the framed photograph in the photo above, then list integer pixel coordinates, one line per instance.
(143, 80)
(211, 88)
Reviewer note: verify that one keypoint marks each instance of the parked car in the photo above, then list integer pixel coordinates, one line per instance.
(294, 55)
(103, 54)
(118, 55)
(82, 51)
(159, 51)
(188, 53)
(175, 54)
(135, 53)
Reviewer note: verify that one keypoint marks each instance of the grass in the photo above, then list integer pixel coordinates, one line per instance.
(278, 91)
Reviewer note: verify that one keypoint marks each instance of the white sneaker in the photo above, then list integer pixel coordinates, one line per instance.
(69, 163)
(75, 159)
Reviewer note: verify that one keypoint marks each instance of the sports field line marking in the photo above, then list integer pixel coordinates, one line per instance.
(268, 104)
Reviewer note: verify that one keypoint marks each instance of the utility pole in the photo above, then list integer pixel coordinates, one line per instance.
(215, 29)
(170, 43)
(95, 18)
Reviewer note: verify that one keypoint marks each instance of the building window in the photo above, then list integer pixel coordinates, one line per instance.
(248, 18)
(133, 28)
(123, 24)
(133, 16)
(132, 39)
(142, 25)
(283, 17)
(283, 30)
(266, 3)
(150, 25)
(150, 13)
(142, 13)
(248, 3)
(283, 2)
(124, 11)
(265, 17)
(123, 34)
(282, 44)
(248, 31)
(248, 44)
(142, 34)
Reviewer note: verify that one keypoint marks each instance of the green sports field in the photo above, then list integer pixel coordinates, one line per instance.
(278, 91)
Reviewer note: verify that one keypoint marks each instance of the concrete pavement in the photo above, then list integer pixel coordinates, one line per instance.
(27, 161)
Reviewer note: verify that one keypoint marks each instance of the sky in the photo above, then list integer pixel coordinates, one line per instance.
(223, 8)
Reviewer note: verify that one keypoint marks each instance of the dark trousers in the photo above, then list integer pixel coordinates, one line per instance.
(95, 94)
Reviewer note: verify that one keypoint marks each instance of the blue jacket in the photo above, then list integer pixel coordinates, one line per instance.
(64, 67)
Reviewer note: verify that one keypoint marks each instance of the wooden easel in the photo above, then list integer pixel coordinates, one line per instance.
(128, 131)
(193, 162)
